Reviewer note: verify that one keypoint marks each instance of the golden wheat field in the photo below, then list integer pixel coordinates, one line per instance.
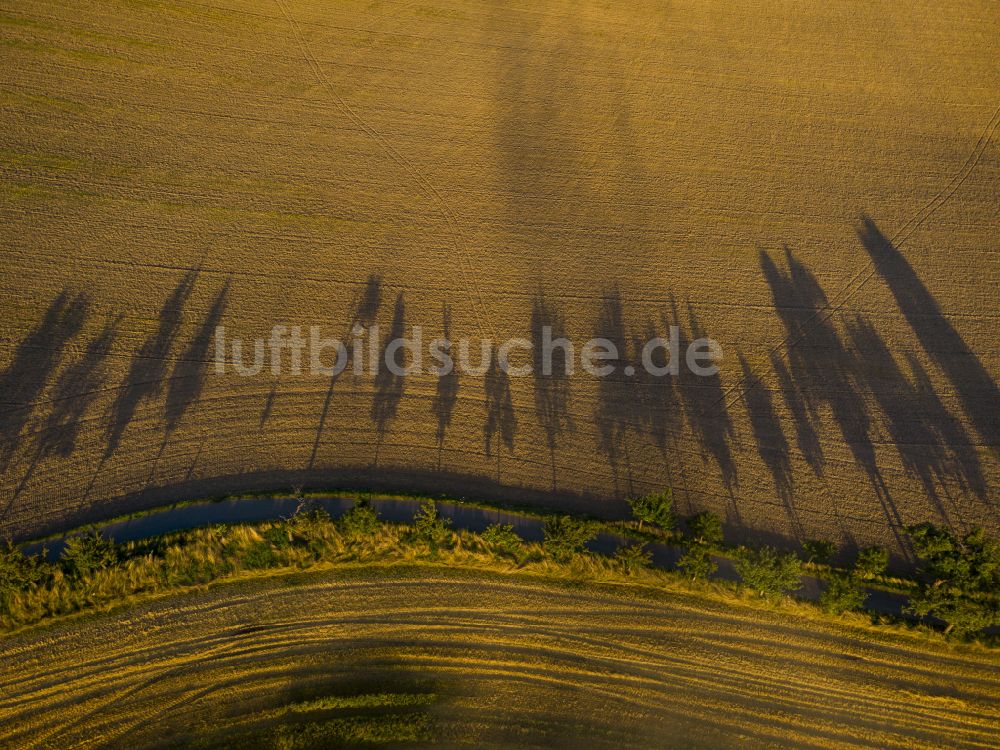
(813, 185)
(471, 658)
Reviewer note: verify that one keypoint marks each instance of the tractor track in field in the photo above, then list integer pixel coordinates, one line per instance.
(667, 664)
(459, 241)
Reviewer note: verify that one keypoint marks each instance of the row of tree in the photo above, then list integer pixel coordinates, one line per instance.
(958, 578)
(958, 581)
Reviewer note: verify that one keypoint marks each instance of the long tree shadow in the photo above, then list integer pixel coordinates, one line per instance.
(705, 408)
(265, 413)
(75, 389)
(806, 436)
(551, 375)
(618, 407)
(535, 95)
(975, 388)
(772, 445)
(188, 378)
(389, 385)
(823, 370)
(662, 413)
(656, 393)
(931, 445)
(36, 358)
(501, 419)
(446, 391)
(818, 362)
(187, 381)
(366, 307)
(148, 367)
(967, 469)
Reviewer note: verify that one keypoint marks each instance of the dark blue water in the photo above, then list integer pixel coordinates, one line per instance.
(465, 517)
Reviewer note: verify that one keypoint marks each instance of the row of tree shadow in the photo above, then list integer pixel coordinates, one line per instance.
(849, 376)
(151, 374)
(822, 371)
(846, 373)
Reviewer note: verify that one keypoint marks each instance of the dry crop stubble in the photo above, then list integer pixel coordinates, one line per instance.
(619, 164)
(503, 661)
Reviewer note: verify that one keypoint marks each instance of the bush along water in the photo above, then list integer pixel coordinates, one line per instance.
(958, 579)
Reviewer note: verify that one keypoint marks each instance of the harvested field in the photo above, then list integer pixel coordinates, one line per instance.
(815, 187)
(488, 660)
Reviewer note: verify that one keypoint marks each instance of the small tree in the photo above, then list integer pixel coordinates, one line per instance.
(309, 521)
(18, 573)
(961, 578)
(971, 563)
(502, 537)
(843, 593)
(871, 562)
(657, 508)
(982, 555)
(360, 520)
(705, 528)
(566, 536)
(429, 526)
(87, 553)
(768, 571)
(697, 561)
(633, 557)
(819, 551)
(964, 615)
(311, 527)
(704, 532)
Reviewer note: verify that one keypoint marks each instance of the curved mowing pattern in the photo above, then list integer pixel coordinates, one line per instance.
(814, 187)
(472, 658)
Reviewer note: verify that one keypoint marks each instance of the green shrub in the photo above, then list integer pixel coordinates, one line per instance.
(633, 557)
(819, 551)
(360, 520)
(697, 562)
(279, 535)
(705, 528)
(186, 565)
(260, 555)
(87, 553)
(971, 563)
(429, 526)
(960, 578)
(566, 536)
(310, 517)
(871, 562)
(311, 529)
(18, 573)
(657, 508)
(843, 593)
(502, 537)
(965, 615)
(767, 571)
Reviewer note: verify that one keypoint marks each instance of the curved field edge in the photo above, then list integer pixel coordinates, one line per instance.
(137, 543)
(170, 564)
(477, 657)
(628, 528)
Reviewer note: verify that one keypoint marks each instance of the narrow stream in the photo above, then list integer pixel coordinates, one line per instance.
(401, 510)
